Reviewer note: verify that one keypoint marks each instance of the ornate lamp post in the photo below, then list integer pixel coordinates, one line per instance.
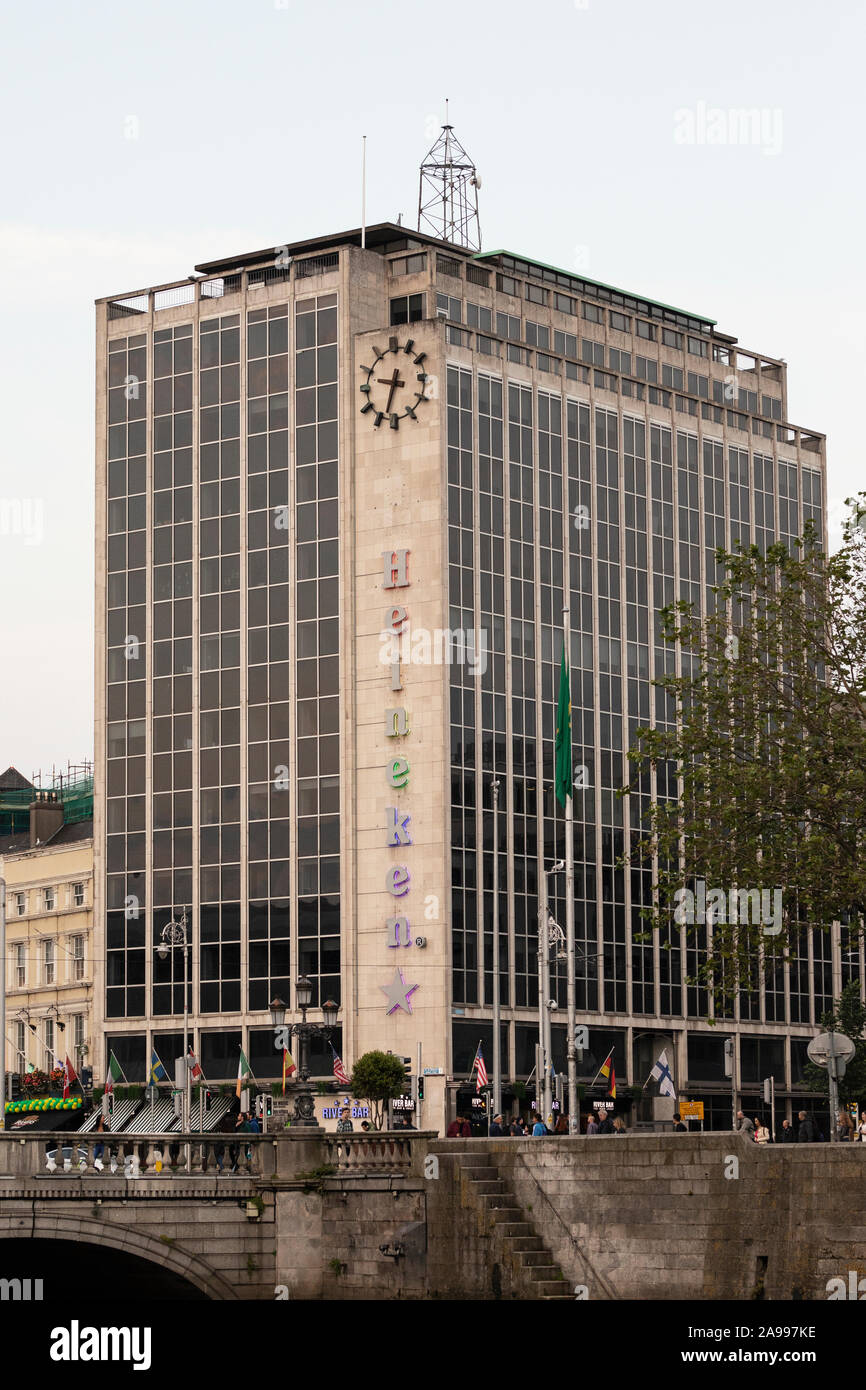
(176, 933)
(305, 1109)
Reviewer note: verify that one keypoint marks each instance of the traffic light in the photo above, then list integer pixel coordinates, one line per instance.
(420, 1088)
(208, 1097)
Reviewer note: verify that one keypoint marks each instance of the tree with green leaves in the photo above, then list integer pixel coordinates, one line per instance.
(759, 773)
(378, 1077)
(848, 1017)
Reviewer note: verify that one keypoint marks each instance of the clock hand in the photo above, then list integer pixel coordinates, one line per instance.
(393, 381)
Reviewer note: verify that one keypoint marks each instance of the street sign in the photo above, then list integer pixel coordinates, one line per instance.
(581, 1036)
(691, 1109)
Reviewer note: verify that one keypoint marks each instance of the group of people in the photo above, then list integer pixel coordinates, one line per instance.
(808, 1131)
(598, 1122)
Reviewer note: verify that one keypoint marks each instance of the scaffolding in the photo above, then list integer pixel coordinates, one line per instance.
(72, 788)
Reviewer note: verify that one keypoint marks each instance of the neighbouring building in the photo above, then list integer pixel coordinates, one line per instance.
(345, 489)
(46, 858)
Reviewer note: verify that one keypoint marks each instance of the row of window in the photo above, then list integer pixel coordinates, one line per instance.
(568, 304)
(44, 1035)
(47, 899)
(508, 326)
(48, 962)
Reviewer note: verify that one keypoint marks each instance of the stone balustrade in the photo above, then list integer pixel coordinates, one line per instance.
(131, 1155)
(365, 1154)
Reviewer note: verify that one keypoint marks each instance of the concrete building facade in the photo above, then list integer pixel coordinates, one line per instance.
(345, 489)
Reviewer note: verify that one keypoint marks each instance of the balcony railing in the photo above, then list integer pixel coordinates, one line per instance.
(316, 265)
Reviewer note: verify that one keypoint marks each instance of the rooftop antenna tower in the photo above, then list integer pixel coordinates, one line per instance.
(448, 192)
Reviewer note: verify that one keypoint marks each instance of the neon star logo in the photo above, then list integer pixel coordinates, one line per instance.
(398, 993)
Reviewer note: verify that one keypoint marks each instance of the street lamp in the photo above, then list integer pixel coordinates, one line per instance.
(305, 1109)
(177, 933)
(544, 944)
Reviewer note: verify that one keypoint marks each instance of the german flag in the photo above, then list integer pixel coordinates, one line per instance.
(607, 1071)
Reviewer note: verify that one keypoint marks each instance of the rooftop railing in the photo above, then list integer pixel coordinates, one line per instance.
(218, 286)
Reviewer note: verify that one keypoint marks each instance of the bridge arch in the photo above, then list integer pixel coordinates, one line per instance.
(80, 1230)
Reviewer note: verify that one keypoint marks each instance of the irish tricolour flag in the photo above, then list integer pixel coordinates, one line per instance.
(243, 1070)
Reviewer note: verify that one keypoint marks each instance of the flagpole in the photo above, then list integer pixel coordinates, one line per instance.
(497, 1058)
(573, 1120)
(3, 1007)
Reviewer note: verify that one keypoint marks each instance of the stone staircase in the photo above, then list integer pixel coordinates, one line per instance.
(518, 1246)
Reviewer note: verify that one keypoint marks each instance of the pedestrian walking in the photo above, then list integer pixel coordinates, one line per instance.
(861, 1128)
(787, 1136)
(517, 1128)
(745, 1125)
(844, 1128)
(592, 1124)
(808, 1129)
(344, 1124)
(762, 1134)
(496, 1130)
(99, 1149)
(539, 1128)
(679, 1126)
(465, 1129)
(561, 1126)
(619, 1125)
(606, 1125)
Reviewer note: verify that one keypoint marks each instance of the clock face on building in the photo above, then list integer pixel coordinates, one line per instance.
(395, 384)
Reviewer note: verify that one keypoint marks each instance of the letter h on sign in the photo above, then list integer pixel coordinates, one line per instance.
(396, 566)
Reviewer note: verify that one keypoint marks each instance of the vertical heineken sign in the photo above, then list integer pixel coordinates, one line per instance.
(398, 822)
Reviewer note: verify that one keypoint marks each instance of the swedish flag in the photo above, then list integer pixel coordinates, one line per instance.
(157, 1070)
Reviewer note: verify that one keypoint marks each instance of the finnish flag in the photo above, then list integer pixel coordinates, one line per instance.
(661, 1073)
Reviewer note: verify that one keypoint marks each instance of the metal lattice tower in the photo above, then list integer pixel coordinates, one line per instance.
(448, 193)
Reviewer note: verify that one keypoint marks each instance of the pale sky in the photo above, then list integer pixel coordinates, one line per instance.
(141, 139)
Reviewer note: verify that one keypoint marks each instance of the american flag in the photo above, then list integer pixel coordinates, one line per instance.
(340, 1070)
(480, 1070)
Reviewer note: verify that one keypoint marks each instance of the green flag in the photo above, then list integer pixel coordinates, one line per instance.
(115, 1073)
(564, 771)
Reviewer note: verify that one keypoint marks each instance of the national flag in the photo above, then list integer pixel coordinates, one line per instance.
(115, 1072)
(157, 1070)
(340, 1070)
(480, 1070)
(606, 1071)
(68, 1078)
(611, 1090)
(288, 1066)
(661, 1073)
(243, 1070)
(564, 769)
(195, 1070)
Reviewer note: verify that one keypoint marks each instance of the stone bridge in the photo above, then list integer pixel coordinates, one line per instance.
(321, 1216)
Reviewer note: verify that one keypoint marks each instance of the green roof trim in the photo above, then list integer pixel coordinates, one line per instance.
(614, 289)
